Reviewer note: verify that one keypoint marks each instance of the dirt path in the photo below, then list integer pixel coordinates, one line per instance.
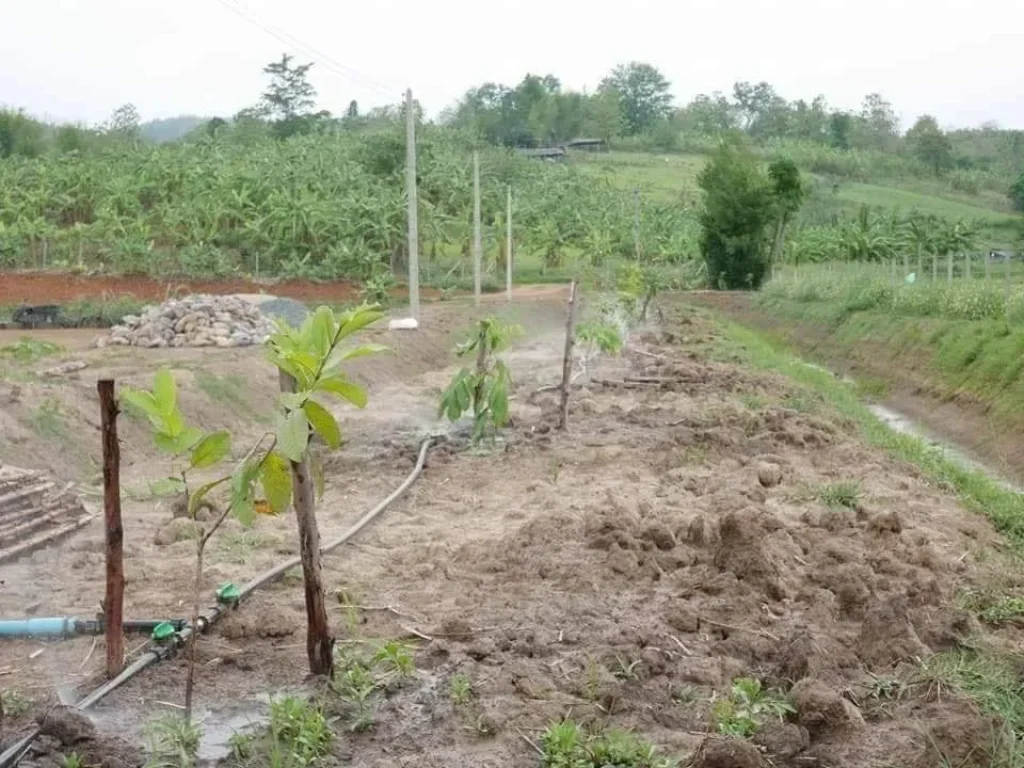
(623, 573)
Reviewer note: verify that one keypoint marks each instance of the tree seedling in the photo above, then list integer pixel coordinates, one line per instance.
(740, 713)
(484, 390)
(274, 471)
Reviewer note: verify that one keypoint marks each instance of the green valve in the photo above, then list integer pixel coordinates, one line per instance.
(163, 632)
(228, 594)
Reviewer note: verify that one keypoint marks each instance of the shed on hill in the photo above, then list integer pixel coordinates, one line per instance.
(553, 154)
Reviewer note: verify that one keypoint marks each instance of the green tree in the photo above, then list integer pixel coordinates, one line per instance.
(20, 135)
(738, 207)
(289, 99)
(788, 191)
(603, 116)
(840, 130)
(930, 145)
(353, 109)
(124, 124)
(643, 94)
(1017, 193)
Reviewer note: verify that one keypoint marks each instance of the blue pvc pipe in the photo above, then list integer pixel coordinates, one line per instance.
(60, 626)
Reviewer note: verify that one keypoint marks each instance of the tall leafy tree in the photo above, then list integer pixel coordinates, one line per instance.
(290, 93)
(1017, 193)
(788, 192)
(930, 145)
(644, 94)
(738, 207)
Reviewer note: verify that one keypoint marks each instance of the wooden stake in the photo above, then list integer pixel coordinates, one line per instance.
(563, 419)
(113, 603)
(319, 643)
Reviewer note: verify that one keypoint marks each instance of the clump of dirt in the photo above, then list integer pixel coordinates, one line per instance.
(66, 731)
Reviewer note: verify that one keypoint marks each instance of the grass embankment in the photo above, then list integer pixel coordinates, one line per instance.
(985, 670)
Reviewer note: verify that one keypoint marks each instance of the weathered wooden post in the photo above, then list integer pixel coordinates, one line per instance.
(113, 603)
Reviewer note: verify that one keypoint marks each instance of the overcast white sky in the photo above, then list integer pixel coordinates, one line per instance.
(80, 59)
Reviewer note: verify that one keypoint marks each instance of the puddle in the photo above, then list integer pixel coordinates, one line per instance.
(220, 729)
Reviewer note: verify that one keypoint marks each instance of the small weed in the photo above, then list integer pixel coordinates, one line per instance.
(592, 685)
(299, 729)
(685, 695)
(461, 689)
(752, 402)
(238, 546)
(74, 760)
(695, 455)
(844, 493)
(799, 403)
(394, 658)
(173, 742)
(883, 693)
(47, 420)
(625, 669)
(748, 703)
(355, 685)
(568, 745)
(29, 350)
(15, 703)
(995, 609)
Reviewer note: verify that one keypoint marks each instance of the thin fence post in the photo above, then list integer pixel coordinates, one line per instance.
(935, 267)
(636, 221)
(1009, 292)
(988, 267)
(413, 212)
(949, 268)
(477, 245)
(508, 245)
(967, 264)
(113, 603)
(563, 411)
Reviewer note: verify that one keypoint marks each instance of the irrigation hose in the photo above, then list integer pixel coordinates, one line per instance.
(14, 753)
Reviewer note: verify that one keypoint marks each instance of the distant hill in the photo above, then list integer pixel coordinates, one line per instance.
(170, 128)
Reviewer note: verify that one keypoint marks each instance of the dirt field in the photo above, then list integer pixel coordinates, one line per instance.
(687, 531)
(60, 287)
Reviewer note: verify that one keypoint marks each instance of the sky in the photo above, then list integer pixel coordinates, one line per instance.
(78, 60)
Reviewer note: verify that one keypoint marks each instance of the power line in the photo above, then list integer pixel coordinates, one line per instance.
(328, 62)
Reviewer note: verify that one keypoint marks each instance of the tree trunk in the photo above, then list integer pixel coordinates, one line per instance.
(113, 602)
(319, 643)
(778, 240)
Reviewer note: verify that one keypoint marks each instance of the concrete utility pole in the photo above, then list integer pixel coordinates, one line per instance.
(508, 245)
(413, 220)
(477, 246)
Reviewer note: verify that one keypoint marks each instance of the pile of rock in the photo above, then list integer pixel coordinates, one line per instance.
(195, 321)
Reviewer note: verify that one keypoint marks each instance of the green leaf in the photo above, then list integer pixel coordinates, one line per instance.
(339, 356)
(322, 331)
(323, 422)
(292, 400)
(242, 501)
(142, 401)
(293, 435)
(276, 479)
(179, 443)
(356, 319)
(211, 449)
(343, 388)
(200, 494)
(164, 391)
(167, 486)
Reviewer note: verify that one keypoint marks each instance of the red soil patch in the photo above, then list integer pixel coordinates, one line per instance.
(57, 288)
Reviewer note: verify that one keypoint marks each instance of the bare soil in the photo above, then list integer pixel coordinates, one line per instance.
(61, 287)
(624, 572)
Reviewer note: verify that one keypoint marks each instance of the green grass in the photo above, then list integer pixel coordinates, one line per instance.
(844, 493)
(47, 420)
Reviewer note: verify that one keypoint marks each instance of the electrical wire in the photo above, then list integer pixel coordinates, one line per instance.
(329, 63)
